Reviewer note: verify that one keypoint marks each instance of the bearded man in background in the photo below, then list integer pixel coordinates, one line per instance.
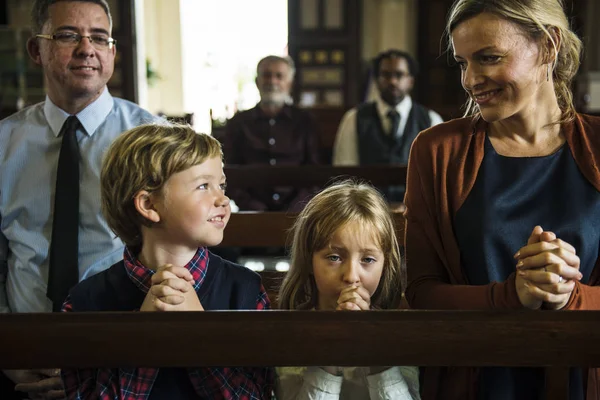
(274, 132)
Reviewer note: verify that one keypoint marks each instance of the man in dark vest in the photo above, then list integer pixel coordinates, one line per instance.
(382, 131)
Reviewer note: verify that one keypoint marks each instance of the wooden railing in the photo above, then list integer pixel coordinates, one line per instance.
(555, 340)
(270, 229)
(242, 176)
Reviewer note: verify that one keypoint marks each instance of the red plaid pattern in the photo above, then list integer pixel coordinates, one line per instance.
(244, 383)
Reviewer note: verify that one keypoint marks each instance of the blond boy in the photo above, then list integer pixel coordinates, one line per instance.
(163, 194)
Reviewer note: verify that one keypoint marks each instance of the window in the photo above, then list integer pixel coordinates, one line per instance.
(222, 41)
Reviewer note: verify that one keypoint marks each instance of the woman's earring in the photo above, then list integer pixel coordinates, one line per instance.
(548, 73)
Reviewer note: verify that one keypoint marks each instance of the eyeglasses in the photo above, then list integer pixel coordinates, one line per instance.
(72, 39)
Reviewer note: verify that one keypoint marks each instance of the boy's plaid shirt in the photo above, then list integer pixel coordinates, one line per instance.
(136, 383)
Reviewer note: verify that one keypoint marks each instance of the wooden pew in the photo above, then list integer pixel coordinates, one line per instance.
(243, 176)
(270, 229)
(245, 338)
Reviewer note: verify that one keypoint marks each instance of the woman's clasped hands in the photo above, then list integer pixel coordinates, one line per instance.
(547, 268)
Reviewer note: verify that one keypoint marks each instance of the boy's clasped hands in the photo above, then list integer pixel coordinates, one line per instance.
(172, 290)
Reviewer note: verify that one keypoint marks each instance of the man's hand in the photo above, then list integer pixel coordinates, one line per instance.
(38, 383)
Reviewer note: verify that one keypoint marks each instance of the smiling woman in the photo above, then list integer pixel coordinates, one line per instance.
(502, 204)
(505, 73)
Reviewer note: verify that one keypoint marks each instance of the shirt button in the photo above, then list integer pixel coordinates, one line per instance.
(271, 122)
(272, 141)
(276, 196)
(272, 161)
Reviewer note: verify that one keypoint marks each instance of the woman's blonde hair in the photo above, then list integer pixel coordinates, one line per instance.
(538, 19)
(144, 158)
(336, 206)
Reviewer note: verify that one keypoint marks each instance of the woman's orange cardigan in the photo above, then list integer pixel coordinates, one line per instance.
(443, 166)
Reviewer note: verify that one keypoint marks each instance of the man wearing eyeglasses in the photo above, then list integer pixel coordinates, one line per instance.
(43, 148)
(382, 131)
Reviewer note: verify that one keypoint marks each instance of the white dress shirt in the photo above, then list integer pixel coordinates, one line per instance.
(345, 149)
(29, 150)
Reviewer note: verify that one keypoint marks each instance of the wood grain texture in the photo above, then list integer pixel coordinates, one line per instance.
(244, 176)
(457, 338)
(270, 229)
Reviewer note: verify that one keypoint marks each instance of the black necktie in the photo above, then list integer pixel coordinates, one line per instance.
(394, 117)
(64, 245)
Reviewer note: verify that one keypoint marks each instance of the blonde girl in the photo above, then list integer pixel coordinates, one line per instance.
(345, 256)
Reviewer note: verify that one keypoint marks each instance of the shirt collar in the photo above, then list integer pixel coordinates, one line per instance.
(90, 117)
(403, 108)
(141, 276)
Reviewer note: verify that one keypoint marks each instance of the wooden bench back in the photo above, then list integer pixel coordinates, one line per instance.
(271, 229)
(244, 176)
(246, 338)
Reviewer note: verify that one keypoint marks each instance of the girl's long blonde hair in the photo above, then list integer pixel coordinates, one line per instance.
(334, 207)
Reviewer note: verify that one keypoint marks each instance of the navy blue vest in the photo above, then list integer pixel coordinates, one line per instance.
(377, 147)
(227, 286)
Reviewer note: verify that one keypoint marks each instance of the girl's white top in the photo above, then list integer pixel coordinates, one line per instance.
(313, 383)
